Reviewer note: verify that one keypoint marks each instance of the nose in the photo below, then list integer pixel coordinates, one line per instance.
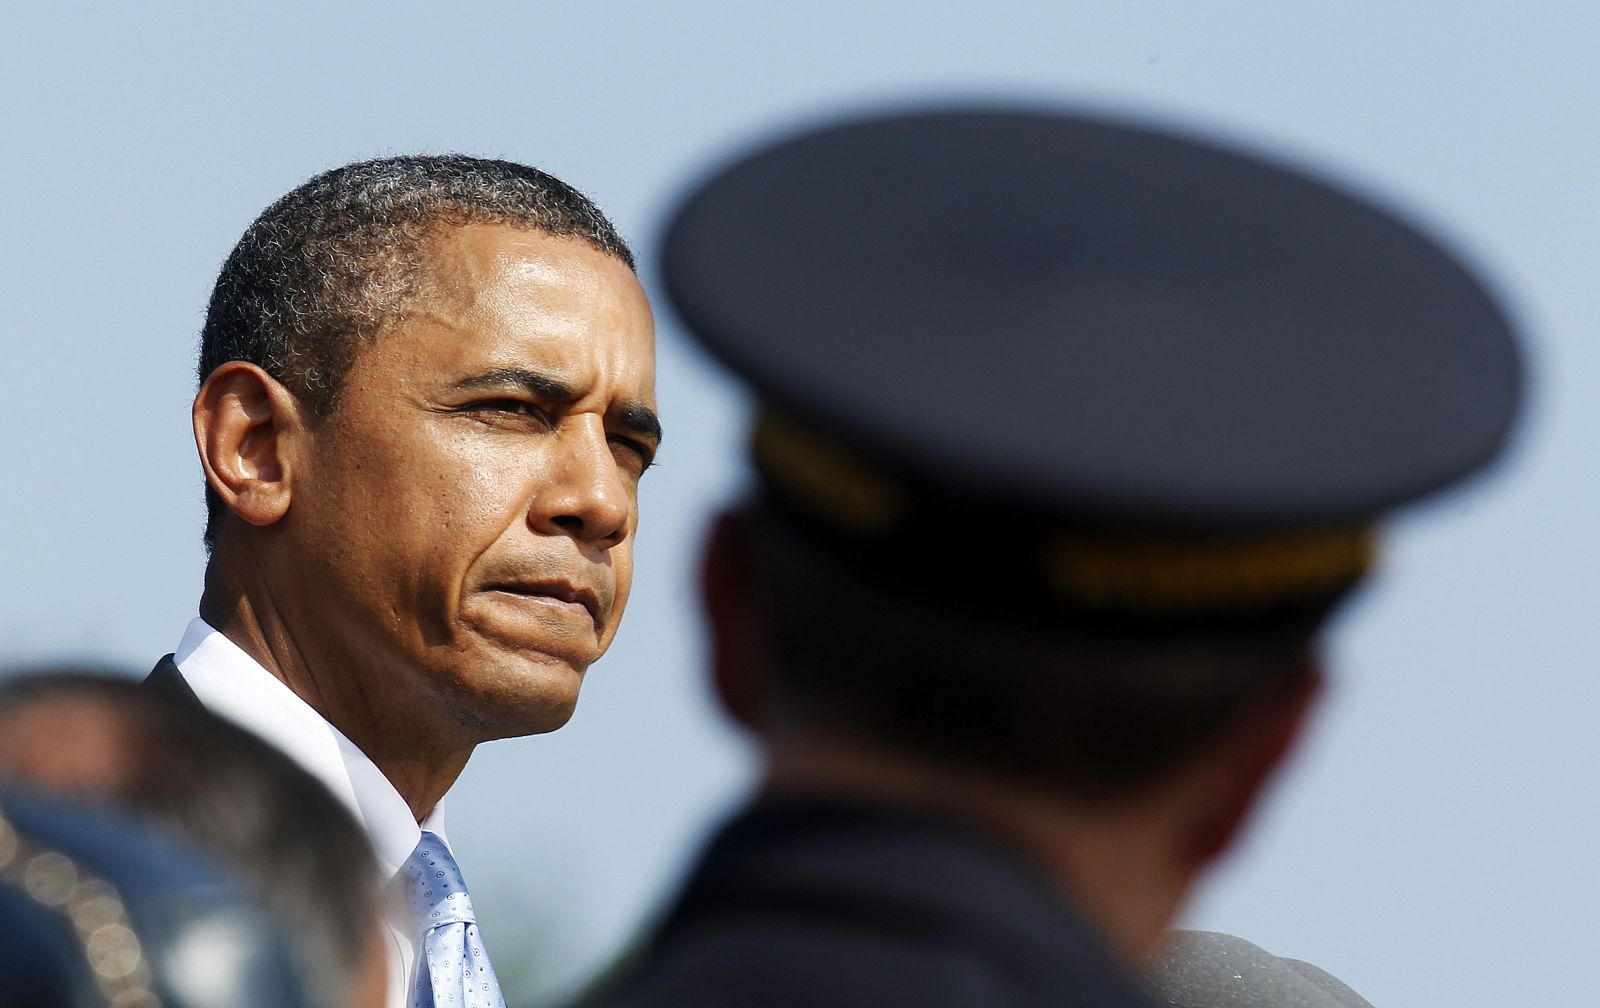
(586, 495)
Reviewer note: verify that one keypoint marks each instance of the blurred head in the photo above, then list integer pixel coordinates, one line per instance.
(1135, 747)
(190, 775)
(1093, 708)
(1071, 431)
(427, 399)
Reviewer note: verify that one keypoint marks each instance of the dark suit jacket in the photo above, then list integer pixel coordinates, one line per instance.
(835, 906)
(165, 678)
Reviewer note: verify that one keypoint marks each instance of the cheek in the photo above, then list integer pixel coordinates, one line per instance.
(621, 558)
(622, 570)
(466, 501)
(417, 511)
(478, 492)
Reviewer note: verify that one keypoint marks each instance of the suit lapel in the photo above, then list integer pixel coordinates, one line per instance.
(167, 680)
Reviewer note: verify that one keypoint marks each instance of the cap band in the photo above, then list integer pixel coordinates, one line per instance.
(1165, 573)
(1112, 570)
(825, 479)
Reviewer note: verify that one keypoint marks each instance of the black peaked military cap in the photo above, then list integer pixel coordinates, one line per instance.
(100, 911)
(1103, 324)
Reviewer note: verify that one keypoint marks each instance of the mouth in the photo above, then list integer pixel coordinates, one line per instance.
(557, 594)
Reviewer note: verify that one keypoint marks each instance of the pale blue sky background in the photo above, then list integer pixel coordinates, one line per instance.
(1434, 842)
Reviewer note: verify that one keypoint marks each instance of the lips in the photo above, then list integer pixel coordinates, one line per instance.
(558, 591)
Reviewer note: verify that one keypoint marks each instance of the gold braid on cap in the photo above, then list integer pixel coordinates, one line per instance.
(1176, 574)
(817, 473)
(1156, 574)
(92, 906)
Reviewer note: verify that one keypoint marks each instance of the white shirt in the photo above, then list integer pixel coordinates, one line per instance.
(233, 685)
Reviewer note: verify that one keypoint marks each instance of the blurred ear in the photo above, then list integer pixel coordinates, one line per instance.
(241, 418)
(730, 591)
(1247, 760)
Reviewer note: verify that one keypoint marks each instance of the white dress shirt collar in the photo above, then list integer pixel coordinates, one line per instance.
(234, 685)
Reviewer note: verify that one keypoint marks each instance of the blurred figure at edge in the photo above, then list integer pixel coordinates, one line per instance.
(202, 782)
(1071, 433)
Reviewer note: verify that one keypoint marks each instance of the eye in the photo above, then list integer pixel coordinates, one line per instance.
(505, 411)
(506, 406)
(642, 454)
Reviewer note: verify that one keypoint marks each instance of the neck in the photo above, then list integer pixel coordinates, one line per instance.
(418, 756)
(1115, 864)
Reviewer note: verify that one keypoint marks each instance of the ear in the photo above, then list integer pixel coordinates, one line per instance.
(729, 589)
(243, 419)
(1257, 748)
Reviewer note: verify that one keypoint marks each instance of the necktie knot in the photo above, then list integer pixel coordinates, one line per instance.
(453, 970)
(435, 887)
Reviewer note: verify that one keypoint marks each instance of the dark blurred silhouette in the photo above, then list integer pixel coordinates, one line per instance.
(189, 775)
(1070, 435)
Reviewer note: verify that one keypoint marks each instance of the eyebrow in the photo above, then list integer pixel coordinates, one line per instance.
(634, 417)
(541, 385)
(640, 419)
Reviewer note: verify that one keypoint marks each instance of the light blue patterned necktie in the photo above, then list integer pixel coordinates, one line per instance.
(453, 970)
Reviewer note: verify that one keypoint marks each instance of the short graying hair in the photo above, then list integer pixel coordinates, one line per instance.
(334, 263)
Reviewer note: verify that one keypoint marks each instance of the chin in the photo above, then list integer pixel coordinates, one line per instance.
(525, 701)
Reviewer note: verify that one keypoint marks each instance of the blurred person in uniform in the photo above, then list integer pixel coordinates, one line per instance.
(96, 912)
(426, 401)
(212, 786)
(1071, 433)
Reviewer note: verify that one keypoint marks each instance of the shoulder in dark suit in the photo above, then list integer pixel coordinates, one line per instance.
(167, 680)
(832, 906)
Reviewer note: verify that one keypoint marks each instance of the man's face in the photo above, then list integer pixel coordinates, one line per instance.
(461, 528)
